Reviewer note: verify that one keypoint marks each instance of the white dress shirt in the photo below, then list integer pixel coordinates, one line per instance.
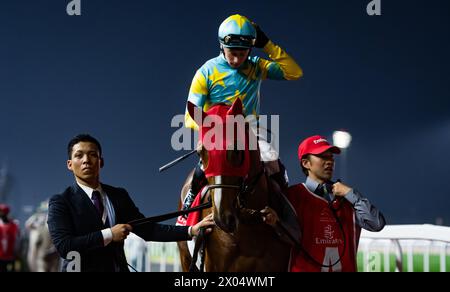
(108, 212)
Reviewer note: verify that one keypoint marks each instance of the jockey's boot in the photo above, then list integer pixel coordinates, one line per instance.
(281, 177)
(197, 183)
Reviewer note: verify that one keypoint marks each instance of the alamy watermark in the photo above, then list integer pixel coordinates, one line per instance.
(74, 266)
(374, 8)
(74, 8)
(227, 133)
(372, 262)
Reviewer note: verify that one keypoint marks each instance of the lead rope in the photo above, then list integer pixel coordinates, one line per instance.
(199, 246)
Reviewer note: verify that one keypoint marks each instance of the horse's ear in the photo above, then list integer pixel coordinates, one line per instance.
(196, 113)
(236, 108)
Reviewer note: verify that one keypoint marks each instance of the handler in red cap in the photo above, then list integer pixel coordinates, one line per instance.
(330, 214)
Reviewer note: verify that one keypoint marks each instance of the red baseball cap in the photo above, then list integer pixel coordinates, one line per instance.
(316, 145)
(4, 209)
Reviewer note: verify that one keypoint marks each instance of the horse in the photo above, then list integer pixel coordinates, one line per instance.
(238, 189)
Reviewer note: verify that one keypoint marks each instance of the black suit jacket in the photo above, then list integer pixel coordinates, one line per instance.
(75, 225)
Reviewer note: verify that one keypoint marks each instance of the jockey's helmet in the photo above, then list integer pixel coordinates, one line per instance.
(237, 32)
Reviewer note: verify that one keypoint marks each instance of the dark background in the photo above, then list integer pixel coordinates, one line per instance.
(122, 70)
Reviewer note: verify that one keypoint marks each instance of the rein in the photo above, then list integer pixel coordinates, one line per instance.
(164, 217)
(243, 190)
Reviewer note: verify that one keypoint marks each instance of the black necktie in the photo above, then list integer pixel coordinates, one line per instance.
(319, 190)
(322, 191)
(98, 202)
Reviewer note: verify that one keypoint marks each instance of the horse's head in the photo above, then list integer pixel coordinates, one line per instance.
(225, 155)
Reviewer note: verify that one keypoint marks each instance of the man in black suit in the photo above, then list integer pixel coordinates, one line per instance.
(90, 218)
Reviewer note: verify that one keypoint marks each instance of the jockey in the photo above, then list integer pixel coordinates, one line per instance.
(236, 74)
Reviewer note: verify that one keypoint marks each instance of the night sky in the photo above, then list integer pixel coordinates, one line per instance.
(123, 69)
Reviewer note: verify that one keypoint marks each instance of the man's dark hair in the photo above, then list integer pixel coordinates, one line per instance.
(83, 138)
(4, 218)
(305, 171)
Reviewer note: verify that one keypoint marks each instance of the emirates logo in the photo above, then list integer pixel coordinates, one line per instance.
(320, 141)
(328, 233)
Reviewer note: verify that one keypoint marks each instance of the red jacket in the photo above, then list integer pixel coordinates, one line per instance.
(8, 236)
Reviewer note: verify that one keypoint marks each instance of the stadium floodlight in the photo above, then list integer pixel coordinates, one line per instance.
(342, 139)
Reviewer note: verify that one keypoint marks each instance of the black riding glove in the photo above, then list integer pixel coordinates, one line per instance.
(261, 38)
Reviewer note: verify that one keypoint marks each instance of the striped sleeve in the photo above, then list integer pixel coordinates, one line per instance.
(197, 95)
(282, 66)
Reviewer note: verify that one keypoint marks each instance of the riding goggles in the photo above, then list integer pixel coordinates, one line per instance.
(238, 41)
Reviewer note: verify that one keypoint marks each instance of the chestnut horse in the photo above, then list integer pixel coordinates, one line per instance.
(239, 189)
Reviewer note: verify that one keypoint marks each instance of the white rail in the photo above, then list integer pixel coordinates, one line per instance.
(410, 241)
(377, 250)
